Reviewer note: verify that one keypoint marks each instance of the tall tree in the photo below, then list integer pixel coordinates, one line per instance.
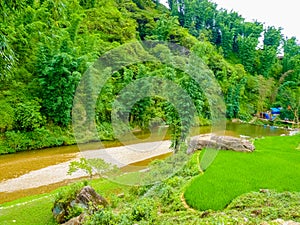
(272, 37)
(291, 59)
(58, 77)
(247, 51)
(265, 87)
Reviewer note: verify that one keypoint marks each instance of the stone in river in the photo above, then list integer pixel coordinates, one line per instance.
(220, 143)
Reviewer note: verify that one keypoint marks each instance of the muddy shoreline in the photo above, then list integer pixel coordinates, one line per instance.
(55, 174)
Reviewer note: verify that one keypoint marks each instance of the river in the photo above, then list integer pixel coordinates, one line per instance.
(21, 164)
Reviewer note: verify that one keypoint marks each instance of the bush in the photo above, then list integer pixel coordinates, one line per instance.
(105, 131)
(144, 209)
(28, 116)
(6, 116)
(69, 192)
(138, 190)
(4, 148)
(15, 141)
(104, 217)
(191, 168)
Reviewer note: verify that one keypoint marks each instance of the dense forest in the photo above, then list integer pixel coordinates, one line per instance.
(46, 47)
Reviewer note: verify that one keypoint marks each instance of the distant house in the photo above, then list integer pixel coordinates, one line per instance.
(272, 114)
(275, 111)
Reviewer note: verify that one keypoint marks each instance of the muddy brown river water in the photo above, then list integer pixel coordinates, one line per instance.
(16, 165)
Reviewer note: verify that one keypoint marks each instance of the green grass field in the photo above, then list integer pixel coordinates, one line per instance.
(275, 164)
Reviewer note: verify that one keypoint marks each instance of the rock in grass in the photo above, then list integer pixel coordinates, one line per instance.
(89, 198)
(76, 220)
(86, 200)
(220, 143)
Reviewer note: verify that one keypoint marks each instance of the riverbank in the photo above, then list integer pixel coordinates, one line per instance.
(119, 156)
(13, 142)
(277, 123)
(31, 166)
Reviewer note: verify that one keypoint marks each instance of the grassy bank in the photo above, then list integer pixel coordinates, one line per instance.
(51, 136)
(273, 165)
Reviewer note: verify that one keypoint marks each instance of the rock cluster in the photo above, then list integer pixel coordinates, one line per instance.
(220, 143)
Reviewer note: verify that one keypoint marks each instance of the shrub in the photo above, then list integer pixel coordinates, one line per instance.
(6, 116)
(28, 116)
(104, 217)
(105, 131)
(14, 141)
(4, 148)
(17, 141)
(69, 192)
(138, 190)
(144, 209)
(191, 168)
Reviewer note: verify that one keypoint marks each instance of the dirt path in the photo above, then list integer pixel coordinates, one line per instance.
(120, 156)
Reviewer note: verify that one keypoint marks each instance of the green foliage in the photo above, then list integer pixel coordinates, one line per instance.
(63, 200)
(58, 81)
(6, 116)
(87, 3)
(46, 46)
(267, 59)
(233, 99)
(74, 211)
(144, 209)
(234, 173)
(14, 141)
(28, 116)
(164, 27)
(265, 87)
(7, 57)
(289, 99)
(90, 165)
(68, 192)
(291, 60)
(247, 51)
(81, 164)
(105, 217)
(272, 37)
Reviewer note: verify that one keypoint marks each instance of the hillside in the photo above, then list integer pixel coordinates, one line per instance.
(47, 46)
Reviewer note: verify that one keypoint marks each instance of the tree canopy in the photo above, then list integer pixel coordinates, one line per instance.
(47, 46)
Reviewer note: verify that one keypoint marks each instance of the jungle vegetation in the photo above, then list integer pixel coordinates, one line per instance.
(46, 47)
